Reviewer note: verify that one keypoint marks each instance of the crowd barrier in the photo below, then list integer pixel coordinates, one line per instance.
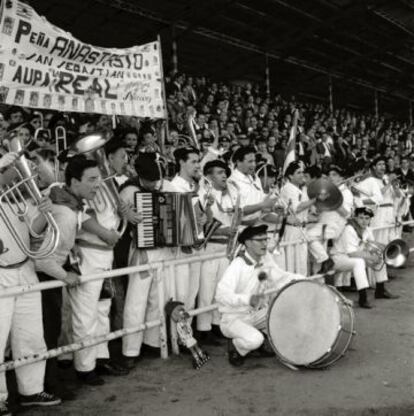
(158, 268)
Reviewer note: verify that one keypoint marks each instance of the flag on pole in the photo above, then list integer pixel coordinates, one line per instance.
(290, 155)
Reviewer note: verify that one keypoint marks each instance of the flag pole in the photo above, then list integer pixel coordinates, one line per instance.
(164, 96)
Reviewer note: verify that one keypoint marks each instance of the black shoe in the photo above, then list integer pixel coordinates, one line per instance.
(235, 359)
(129, 362)
(90, 378)
(365, 304)
(110, 368)
(64, 364)
(215, 329)
(385, 294)
(327, 267)
(208, 338)
(150, 352)
(40, 399)
(4, 409)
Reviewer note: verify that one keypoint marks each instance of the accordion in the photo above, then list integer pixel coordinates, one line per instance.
(176, 219)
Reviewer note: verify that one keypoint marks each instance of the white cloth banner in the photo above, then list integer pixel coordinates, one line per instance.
(42, 66)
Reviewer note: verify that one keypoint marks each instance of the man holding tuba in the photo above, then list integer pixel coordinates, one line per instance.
(352, 252)
(21, 317)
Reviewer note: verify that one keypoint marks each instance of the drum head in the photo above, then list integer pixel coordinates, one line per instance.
(303, 322)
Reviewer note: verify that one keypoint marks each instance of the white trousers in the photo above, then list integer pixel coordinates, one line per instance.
(317, 247)
(211, 272)
(187, 280)
(141, 303)
(344, 263)
(296, 256)
(245, 329)
(84, 307)
(103, 327)
(21, 318)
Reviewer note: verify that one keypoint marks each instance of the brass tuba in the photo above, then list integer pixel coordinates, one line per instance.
(92, 146)
(13, 202)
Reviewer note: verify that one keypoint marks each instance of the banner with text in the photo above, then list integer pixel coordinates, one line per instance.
(42, 66)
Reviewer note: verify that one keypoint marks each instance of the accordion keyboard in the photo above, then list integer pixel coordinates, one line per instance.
(145, 229)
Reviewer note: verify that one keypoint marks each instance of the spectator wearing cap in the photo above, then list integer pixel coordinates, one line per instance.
(242, 305)
(141, 301)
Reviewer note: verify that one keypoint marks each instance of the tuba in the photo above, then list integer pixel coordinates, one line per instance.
(92, 146)
(14, 196)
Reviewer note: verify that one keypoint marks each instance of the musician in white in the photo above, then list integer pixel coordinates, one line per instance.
(118, 160)
(295, 197)
(141, 302)
(350, 253)
(218, 199)
(187, 276)
(21, 316)
(253, 199)
(378, 192)
(240, 294)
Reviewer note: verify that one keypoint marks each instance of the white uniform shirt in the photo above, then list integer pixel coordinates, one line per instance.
(349, 241)
(240, 281)
(293, 195)
(107, 216)
(251, 191)
(223, 206)
(181, 185)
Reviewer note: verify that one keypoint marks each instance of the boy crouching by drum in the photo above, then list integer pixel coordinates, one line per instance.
(351, 252)
(241, 295)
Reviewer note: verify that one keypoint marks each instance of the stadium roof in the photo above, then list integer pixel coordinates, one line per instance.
(363, 45)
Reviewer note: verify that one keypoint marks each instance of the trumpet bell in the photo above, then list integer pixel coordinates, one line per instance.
(331, 195)
(396, 253)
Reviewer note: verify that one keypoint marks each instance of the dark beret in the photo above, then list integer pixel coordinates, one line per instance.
(251, 231)
(377, 160)
(216, 164)
(364, 210)
(337, 169)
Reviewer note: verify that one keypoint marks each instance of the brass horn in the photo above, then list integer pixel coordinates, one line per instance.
(92, 146)
(396, 253)
(13, 202)
(331, 195)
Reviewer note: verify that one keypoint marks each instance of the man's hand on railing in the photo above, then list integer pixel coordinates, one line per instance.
(72, 279)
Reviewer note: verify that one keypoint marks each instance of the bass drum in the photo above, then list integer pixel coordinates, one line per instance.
(310, 324)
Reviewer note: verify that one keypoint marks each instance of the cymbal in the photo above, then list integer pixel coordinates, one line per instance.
(328, 196)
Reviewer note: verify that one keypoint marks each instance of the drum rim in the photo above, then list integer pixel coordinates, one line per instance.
(280, 356)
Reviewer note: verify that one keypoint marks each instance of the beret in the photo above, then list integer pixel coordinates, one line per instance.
(251, 231)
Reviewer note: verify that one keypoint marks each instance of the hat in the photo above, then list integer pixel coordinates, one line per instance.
(364, 210)
(251, 231)
(337, 169)
(147, 166)
(224, 139)
(216, 164)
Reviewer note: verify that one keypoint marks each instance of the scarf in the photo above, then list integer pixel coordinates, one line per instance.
(63, 196)
(352, 222)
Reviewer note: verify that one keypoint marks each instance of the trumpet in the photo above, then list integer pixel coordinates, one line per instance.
(13, 202)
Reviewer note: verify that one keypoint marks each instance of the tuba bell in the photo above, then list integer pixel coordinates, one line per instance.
(13, 202)
(396, 253)
(92, 147)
